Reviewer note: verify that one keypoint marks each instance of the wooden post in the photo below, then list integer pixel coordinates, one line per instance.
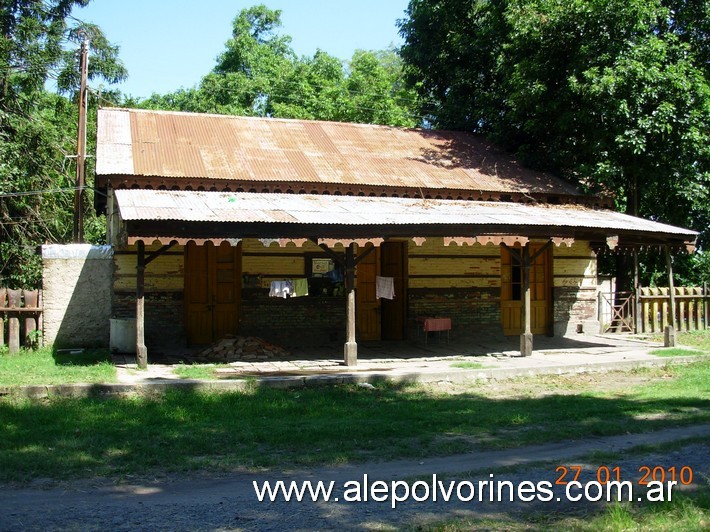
(78, 231)
(3, 297)
(526, 338)
(637, 294)
(31, 300)
(350, 350)
(14, 300)
(669, 339)
(141, 349)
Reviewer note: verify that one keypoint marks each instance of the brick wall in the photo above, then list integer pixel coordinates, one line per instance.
(468, 308)
(164, 317)
(293, 322)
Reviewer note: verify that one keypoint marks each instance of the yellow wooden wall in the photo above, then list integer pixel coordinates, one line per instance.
(431, 265)
(164, 274)
(575, 266)
(274, 262)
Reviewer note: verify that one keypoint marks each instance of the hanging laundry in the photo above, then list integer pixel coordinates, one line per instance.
(300, 287)
(335, 275)
(282, 289)
(384, 287)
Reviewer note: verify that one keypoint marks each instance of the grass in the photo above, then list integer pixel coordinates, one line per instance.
(693, 342)
(467, 365)
(697, 340)
(677, 352)
(687, 511)
(185, 430)
(45, 366)
(197, 371)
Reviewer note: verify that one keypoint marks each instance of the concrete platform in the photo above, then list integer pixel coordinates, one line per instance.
(462, 359)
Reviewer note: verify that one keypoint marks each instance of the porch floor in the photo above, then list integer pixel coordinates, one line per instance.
(486, 356)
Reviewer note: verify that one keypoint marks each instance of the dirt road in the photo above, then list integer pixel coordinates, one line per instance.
(230, 502)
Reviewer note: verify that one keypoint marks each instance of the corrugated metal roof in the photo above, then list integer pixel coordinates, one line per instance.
(189, 145)
(307, 209)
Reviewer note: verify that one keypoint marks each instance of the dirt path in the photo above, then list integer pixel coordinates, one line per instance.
(230, 503)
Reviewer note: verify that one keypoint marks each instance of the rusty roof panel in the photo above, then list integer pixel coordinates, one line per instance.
(312, 209)
(191, 145)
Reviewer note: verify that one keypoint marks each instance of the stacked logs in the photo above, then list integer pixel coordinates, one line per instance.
(240, 348)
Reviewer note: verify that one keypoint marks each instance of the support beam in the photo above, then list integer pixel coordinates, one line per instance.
(350, 350)
(141, 349)
(142, 261)
(526, 261)
(526, 338)
(637, 294)
(669, 338)
(348, 264)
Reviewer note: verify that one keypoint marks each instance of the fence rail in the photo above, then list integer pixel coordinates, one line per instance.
(692, 305)
(617, 310)
(20, 318)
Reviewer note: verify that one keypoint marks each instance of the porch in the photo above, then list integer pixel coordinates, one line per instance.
(463, 357)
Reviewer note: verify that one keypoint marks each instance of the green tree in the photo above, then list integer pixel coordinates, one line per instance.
(38, 128)
(259, 74)
(613, 93)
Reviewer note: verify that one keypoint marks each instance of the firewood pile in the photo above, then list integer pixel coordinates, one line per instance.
(240, 348)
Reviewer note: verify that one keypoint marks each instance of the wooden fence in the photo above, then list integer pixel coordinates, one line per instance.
(20, 318)
(692, 305)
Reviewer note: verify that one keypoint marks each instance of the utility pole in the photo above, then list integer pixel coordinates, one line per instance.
(78, 232)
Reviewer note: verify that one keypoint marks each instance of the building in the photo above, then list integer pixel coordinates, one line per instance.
(207, 212)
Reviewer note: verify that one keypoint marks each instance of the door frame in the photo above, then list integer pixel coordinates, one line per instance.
(378, 306)
(511, 308)
(212, 303)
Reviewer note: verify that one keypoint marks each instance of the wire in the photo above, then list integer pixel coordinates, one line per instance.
(48, 191)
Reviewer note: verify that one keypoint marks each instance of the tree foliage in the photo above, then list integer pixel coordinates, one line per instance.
(612, 93)
(259, 74)
(38, 128)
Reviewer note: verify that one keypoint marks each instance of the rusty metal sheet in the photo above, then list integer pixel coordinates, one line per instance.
(310, 209)
(190, 145)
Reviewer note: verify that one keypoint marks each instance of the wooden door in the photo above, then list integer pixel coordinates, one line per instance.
(368, 325)
(212, 291)
(394, 312)
(540, 292)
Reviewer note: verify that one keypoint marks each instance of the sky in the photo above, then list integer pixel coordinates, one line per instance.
(172, 44)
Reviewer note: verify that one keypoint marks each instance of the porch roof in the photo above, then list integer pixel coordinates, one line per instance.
(181, 216)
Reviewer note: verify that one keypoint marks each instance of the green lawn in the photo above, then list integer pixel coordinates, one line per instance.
(44, 366)
(687, 511)
(690, 342)
(180, 431)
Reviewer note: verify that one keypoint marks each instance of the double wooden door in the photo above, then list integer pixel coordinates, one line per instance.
(212, 291)
(540, 292)
(382, 319)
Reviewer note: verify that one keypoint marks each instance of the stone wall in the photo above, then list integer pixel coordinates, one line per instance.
(76, 281)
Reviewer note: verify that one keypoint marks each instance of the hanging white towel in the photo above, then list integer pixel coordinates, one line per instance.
(281, 289)
(384, 287)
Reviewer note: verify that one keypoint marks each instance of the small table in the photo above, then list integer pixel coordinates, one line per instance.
(435, 324)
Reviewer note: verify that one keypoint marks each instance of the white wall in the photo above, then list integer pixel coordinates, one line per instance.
(76, 281)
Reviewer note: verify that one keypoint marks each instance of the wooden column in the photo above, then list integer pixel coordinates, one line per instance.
(637, 294)
(141, 349)
(350, 350)
(3, 297)
(14, 300)
(31, 298)
(669, 339)
(526, 338)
